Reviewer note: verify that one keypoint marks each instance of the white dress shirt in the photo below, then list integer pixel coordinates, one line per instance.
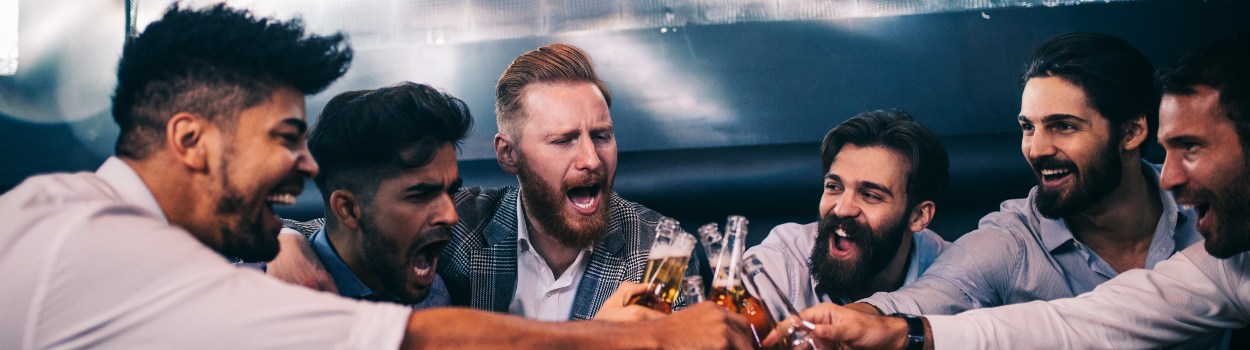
(89, 261)
(1188, 295)
(539, 294)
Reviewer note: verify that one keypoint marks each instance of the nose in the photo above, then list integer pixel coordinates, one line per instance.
(1038, 145)
(587, 156)
(305, 163)
(846, 206)
(445, 213)
(1172, 175)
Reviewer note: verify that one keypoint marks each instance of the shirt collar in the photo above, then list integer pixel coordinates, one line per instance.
(1055, 232)
(348, 284)
(129, 186)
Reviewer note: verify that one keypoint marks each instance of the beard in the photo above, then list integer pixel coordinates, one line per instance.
(546, 204)
(1228, 210)
(242, 237)
(390, 264)
(876, 249)
(1092, 185)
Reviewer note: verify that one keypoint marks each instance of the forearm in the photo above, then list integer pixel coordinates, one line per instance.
(461, 328)
(864, 308)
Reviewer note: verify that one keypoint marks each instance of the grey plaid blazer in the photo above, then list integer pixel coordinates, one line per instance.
(480, 264)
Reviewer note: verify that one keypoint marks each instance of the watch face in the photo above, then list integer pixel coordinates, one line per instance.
(915, 331)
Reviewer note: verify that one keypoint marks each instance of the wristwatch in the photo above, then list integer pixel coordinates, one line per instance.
(915, 331)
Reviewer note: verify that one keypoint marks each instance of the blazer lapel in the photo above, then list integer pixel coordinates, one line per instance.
(493, 267)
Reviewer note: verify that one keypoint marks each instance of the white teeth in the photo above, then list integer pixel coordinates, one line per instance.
(588, 205)
(1049, 172)
(1187, 207)
(281, 198)
(424, 272)
(841, 233)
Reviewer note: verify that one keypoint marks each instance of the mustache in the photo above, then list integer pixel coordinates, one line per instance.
(585, 179)
(856, 232)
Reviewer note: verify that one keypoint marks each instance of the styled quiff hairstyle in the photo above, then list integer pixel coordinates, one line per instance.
(214, 62)
(555, 63)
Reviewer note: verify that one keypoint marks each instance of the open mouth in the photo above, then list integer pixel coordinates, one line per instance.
(285, 199)
(841, 243)
(1055, 176)
(425, 261)
(585, 199)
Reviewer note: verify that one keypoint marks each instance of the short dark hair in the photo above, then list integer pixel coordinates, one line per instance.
(555, 63)
(214, 62)
(928, 171)
(1224, 66)
(1116, 77)
(364, 136)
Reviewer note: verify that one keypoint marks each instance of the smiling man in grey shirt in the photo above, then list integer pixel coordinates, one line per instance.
(1087, 111)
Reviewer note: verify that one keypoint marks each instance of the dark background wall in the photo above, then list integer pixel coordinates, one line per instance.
(712, 119)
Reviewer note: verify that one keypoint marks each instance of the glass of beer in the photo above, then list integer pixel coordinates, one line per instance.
(799, 335)
(666, 267)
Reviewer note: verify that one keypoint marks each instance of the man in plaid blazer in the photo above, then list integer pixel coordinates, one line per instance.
(579, 240)
(557, 246)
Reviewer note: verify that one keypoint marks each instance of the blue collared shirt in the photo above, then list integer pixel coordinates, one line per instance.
(1017, 255)
(352, 287)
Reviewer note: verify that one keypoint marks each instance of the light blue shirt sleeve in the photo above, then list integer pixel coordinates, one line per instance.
(968, 275)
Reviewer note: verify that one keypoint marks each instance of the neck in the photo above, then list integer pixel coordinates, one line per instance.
(891, 277)
(1116, 220)
(347, 244)
(555, 253)
(191, 210)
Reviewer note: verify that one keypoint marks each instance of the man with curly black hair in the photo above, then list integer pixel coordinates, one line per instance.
(211, 107)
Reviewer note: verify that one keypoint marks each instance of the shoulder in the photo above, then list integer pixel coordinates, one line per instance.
(930, 242)
(789, 237)
(624, 210)
(476, 205)
(306, 228)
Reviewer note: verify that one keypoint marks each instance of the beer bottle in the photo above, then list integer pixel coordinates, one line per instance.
(727, 289)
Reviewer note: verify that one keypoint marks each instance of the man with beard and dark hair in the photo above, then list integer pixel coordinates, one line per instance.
(211, 107)
(883, 174)
(1205, 128)
(1086, 115)
(388, 172)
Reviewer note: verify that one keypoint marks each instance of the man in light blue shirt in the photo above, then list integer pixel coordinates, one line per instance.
(1087, 111)
(883, 172)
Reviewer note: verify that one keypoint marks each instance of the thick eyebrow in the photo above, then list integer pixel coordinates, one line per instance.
(297, 123)
(422, 187)
(607, 129)
(867, 184)
(877, 186)
(1054, 118)
(1183, 139)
